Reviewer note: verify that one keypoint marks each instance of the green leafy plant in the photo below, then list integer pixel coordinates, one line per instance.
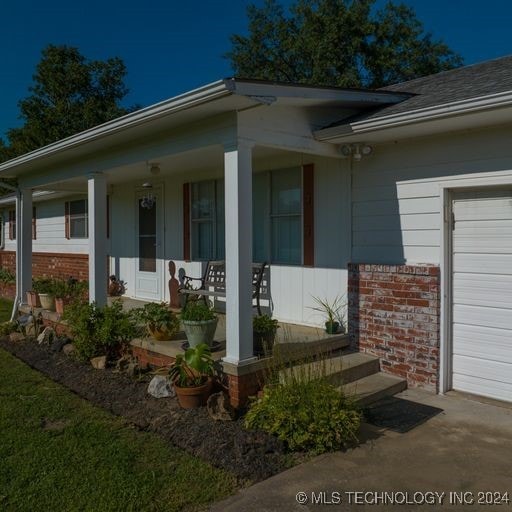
(158, 317)
(264, 324)
(100, 330)
(192, 368)
(196, 311)
(69, 289)
(6, 276)
(7, 328)
(306, 415)
(44, 285)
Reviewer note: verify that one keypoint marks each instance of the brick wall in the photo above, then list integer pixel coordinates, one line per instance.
(394, 313)
(50, 264)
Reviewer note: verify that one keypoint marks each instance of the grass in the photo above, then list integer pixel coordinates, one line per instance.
(5, 309)
(60, 453)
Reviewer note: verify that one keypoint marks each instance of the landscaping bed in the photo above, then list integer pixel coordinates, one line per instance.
(250, 456)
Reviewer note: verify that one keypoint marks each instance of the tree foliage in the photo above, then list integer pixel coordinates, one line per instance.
(344, 43)
(69, 94)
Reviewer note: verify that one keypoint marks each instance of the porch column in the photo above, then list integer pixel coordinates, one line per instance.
(97, 212)
(23, 243)
(238, 208)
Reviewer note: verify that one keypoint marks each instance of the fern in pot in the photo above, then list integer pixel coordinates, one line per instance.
(199, 323)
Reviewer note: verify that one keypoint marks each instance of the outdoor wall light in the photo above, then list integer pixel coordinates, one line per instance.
(148, 200)
(356, 151)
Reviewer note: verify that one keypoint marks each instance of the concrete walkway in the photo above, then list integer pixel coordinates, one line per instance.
(466, 447)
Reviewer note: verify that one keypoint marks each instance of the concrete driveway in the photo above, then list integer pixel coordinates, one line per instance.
(442, 464)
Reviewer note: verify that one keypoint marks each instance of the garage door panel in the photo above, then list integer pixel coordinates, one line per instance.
(487, 290)
(476, 386)
(482, 263)
(482, 293)
(483, 368)
(482, 316)
(482, 342)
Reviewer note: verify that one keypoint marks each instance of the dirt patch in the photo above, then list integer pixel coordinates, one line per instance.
(251, 456)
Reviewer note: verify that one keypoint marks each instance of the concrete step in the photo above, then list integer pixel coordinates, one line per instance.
(374, 387)
(340, 369)
(286, 351)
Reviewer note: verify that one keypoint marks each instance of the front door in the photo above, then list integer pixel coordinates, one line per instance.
(148, 246)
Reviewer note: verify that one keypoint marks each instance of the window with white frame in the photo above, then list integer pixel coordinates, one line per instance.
(286, 216)
(207, 220)
(78, 222)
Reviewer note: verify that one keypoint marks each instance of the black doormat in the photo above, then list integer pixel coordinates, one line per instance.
(398, 414)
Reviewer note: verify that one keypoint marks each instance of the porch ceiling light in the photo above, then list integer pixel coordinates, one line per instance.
(356, 151)
(154, 169)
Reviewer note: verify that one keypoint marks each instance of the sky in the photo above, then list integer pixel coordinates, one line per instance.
(170, 47)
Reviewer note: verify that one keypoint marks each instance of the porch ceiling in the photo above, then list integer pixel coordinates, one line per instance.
(206, 159)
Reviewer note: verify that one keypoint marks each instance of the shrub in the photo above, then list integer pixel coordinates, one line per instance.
(69, 289)
(7, 327)
(100, 330)
(264, 324)
(307, 416)
(45, 285)
(6, 276)
(158, 316)
(196, 311)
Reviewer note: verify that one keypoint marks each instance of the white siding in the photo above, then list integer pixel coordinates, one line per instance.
(50, 230)
(292, 287)
(396, 199)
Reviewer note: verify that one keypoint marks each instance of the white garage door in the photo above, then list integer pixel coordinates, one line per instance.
(482, 293)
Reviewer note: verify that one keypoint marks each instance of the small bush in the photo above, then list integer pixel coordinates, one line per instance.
(100, 330)
(7, 327)
(307, 416)
(6, 276)
(196, 311)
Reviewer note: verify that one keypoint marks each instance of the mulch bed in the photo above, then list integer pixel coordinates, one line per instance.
(251, 456)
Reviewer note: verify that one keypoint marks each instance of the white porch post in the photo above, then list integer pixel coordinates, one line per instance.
(97, 212)
(23, 243)
(238, 208)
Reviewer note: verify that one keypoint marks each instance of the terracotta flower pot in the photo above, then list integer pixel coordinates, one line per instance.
(33, 299)
(192, 397)
(59, 305)
(160, 334)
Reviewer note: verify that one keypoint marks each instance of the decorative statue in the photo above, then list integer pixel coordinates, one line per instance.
(174, 286)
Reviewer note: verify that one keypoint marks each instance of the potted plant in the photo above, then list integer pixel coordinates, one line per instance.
(334, 311)
(66, 291)
(264, 331)
(199, 323)
(161, 323)
(191, 375)
(45, 288)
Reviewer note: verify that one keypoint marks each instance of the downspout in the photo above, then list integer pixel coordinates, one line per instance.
(18, 298)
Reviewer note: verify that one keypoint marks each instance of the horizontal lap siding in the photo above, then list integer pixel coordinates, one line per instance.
(396, 208)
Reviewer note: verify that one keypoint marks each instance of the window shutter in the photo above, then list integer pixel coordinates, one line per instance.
(66, 220)
(108, 216)
(12, 220)
(186, 221)
(308, 212)
(34, 232)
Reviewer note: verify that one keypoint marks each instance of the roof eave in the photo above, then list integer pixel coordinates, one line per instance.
(413, 117)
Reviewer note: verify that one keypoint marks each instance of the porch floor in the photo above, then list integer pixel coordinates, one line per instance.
(296, 338)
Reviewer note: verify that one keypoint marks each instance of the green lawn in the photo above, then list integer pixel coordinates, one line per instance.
(5, 309)
(59, 453)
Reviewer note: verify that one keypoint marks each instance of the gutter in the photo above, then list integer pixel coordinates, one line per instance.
(468, 106)
(185, 101)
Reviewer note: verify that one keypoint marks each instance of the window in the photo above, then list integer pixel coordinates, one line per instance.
(207, 220)
(76, 219)
(12, 224)
(286, 216)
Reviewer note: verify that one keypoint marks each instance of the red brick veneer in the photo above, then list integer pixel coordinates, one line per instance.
(51, 264)
(394, 314)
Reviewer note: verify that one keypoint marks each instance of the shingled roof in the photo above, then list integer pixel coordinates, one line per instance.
(482, 79)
